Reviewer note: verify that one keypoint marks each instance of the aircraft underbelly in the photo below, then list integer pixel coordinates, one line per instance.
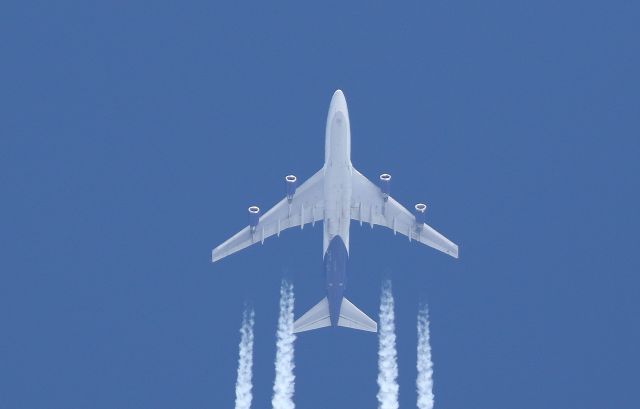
(337, 217)
(337, 180)
(335, 267)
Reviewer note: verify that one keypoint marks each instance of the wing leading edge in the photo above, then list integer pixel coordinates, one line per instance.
(369, 206)
(306, 207)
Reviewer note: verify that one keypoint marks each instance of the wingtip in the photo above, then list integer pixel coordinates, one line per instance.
(454, 253)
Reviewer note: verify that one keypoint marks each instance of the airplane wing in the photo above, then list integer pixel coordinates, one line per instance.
(307, 206)
(368, 205)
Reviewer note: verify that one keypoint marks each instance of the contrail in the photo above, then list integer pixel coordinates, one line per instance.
(245, 362)
(424, 382)
(387, 355)
(283, 386)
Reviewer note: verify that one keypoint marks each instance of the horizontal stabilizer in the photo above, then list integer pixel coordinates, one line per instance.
(352, 317)
(316, 317)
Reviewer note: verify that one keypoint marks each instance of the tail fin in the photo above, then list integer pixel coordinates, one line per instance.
(319, 317)
(352, 317)
(316, 317)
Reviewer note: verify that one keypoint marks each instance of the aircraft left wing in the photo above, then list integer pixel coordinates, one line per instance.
(368, 205)
(307, 206)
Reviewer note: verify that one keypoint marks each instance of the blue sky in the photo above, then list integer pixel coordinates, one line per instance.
(134, 136)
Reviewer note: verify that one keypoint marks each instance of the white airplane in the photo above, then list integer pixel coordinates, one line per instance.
(336, 194)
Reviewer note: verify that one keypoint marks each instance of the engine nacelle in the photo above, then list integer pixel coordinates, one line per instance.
(419, 213)
(385, 185)
(292, 184)
(254, 217)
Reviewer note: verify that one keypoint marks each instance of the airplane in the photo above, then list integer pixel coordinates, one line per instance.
(335, 195)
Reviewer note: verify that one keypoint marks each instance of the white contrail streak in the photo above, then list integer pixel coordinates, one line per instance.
(245, 362)
(387, 355)
(283, 386)
(424, 381)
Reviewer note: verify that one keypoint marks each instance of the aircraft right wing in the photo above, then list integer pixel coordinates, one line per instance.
(368, 205)
(307, 206)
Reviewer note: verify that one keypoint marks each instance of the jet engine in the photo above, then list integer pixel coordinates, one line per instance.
(385, 185)
(420, 211)
(292, 184)
(254, 217)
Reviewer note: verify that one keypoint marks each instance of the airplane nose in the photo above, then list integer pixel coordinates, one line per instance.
(338, 96)
(338, 102)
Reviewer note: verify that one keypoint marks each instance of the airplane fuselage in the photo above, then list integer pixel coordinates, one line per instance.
(337, 196)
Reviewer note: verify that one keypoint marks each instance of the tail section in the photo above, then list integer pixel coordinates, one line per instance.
(350, 317)
(316, 317)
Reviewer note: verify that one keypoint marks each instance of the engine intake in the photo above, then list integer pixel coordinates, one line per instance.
(419, 213)
(292, 184)
(385, 185)
(254, 217)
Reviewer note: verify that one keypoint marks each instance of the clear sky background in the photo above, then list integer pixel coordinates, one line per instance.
(134, 135)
